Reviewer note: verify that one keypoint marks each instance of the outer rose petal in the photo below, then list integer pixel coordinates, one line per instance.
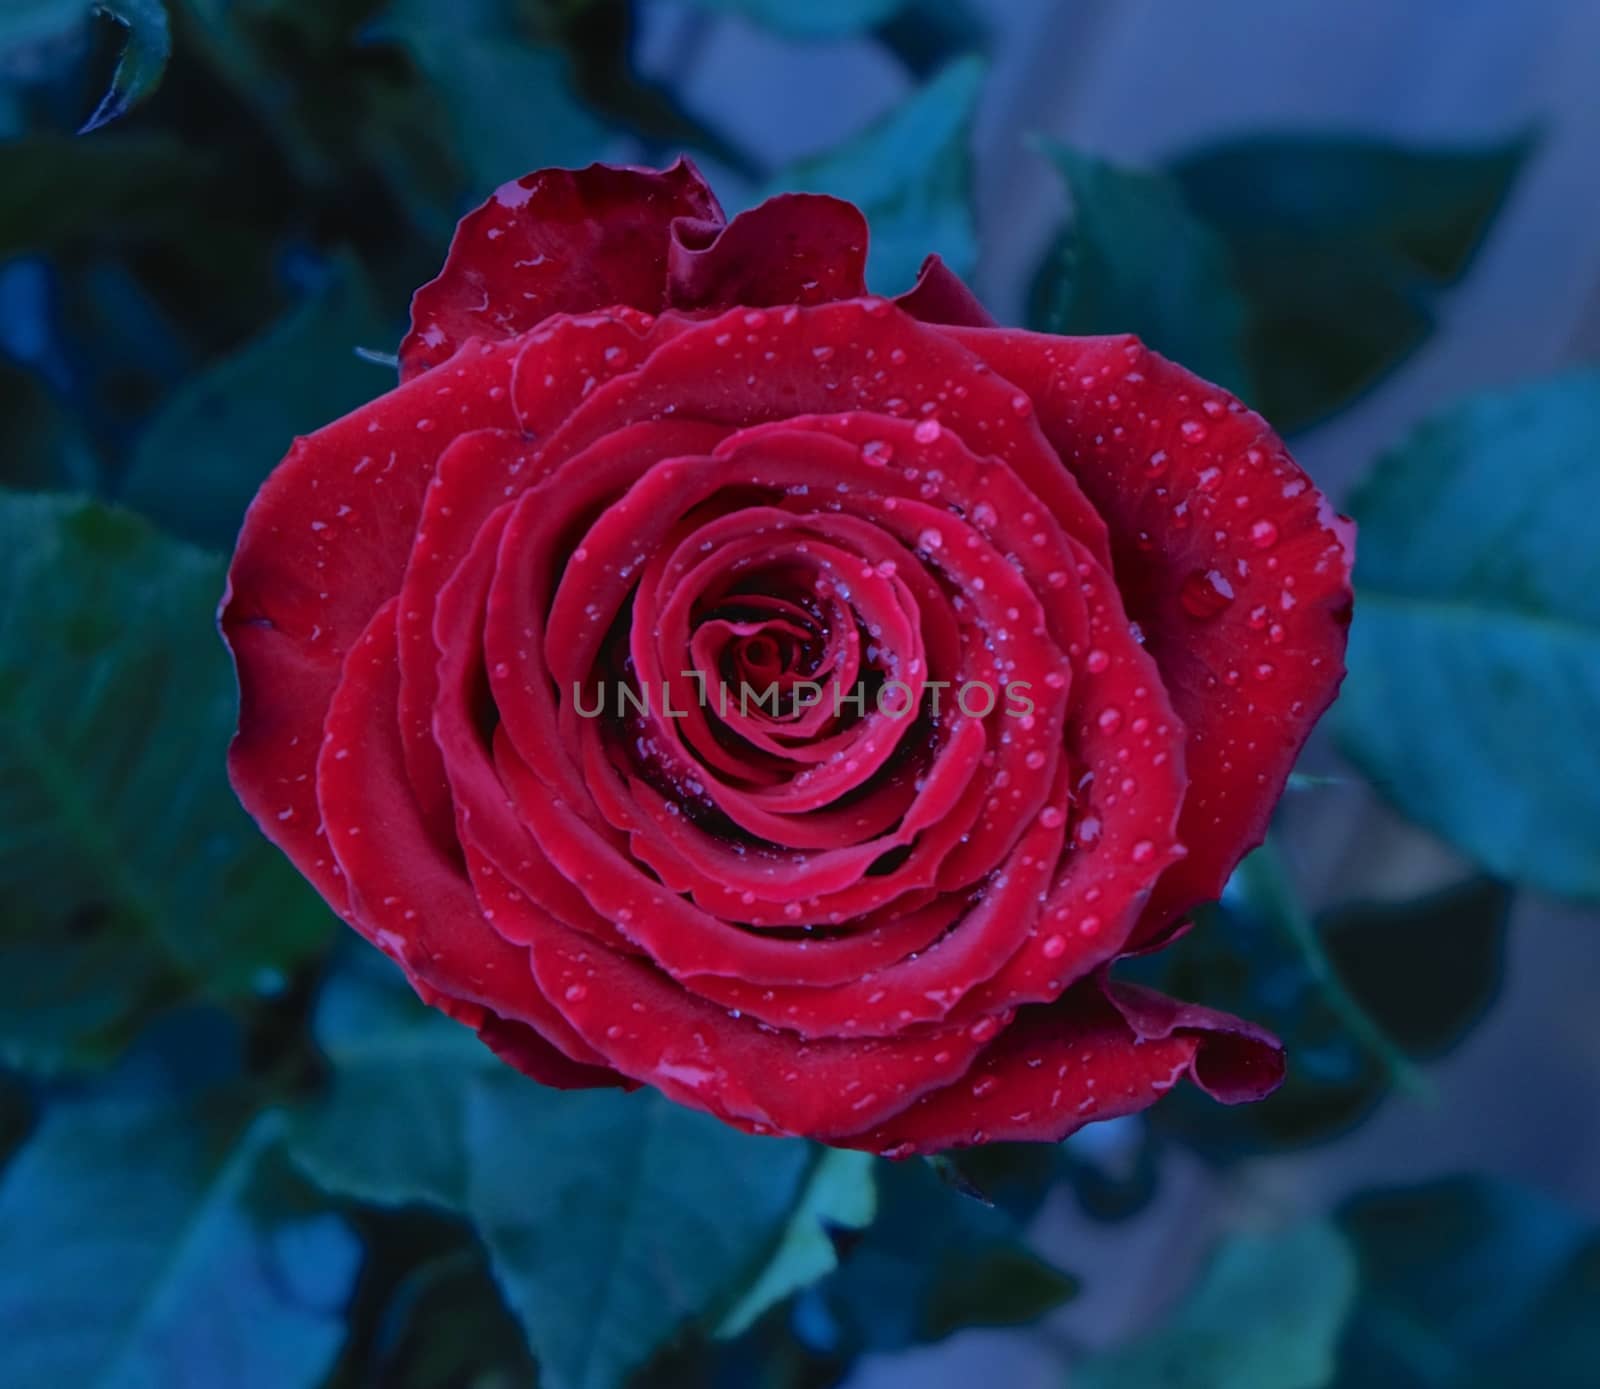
(322, 547)
(1232, 563)
(409, 899)
(555, 241)
(1101, 1051)
(940, 296)
(796, 248)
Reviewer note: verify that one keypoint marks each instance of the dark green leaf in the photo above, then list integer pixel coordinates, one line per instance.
(1469, 1283)
(933, 1262)
(1424, 970)
(1340, 245)
(132, 1252)
(144, 57)
(812, 19)
(1135, 259)
(1474, 687)
(205, 453)
(41, 445)
(389, 1126)
(34, 32)
(613, 1220)
(910, 172)
(838, 1195)
(1428, 207)
(60, 190)
(445, 1327)
(16, 1115)
(1266, 1314)
(129, 875)
(511, 102)
(1257, 954)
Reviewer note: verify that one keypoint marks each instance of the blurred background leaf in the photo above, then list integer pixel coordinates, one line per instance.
(1298, 1286)
(911, 174)
(47, 448)
(201, 458)
(613, 1221)
(1474, 686)
(1471, 1283)
(1358, 994)
(1134, 258)
(1341, 245)
(1295, 270)
(933, 1262)
(816, 19)
(195, 1274)
(130, 875)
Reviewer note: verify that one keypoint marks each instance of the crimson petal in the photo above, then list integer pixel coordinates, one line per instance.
(1229, 559)
(554, 241)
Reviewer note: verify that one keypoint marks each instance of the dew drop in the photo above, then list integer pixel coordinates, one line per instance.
(1263, 535)
(1205, 594)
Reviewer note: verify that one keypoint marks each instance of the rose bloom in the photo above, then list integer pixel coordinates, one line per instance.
(638, 445)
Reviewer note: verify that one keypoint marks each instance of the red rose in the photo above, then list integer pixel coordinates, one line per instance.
(492, 631)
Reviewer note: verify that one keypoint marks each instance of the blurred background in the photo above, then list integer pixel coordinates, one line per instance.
(234, 1153)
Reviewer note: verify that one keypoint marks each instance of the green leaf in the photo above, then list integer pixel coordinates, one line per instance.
(1357, 995)
(613, 1220)
(144, 57)
(934, 1262)
(41, 445)
(1469, 1283)
(911, 173)
(1257, 953)
(511, 102)
(131, 1253)
(129, 874)
(1135, 259)
(1423, 970)
(206, 451)
(1262, 886)
(389, 1126)
(815, 19)
(1474, 686)
(445, 1327)
(838, 1195)
(61, 190)
(1341, 244)
(1266, 1314)
(16, 1115)
(1429, 207)
(32, 31)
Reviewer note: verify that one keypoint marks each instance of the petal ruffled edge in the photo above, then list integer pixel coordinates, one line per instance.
(555, 241)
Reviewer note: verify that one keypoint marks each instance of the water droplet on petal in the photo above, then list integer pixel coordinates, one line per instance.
(1263, 535)
(1205, 594)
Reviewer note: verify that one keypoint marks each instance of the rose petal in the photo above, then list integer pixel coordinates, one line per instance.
(941, 296)
(1228, 558)
(323, 546)
(405, 896)
(1101, 1051)
(554, 241)
(796, 248)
